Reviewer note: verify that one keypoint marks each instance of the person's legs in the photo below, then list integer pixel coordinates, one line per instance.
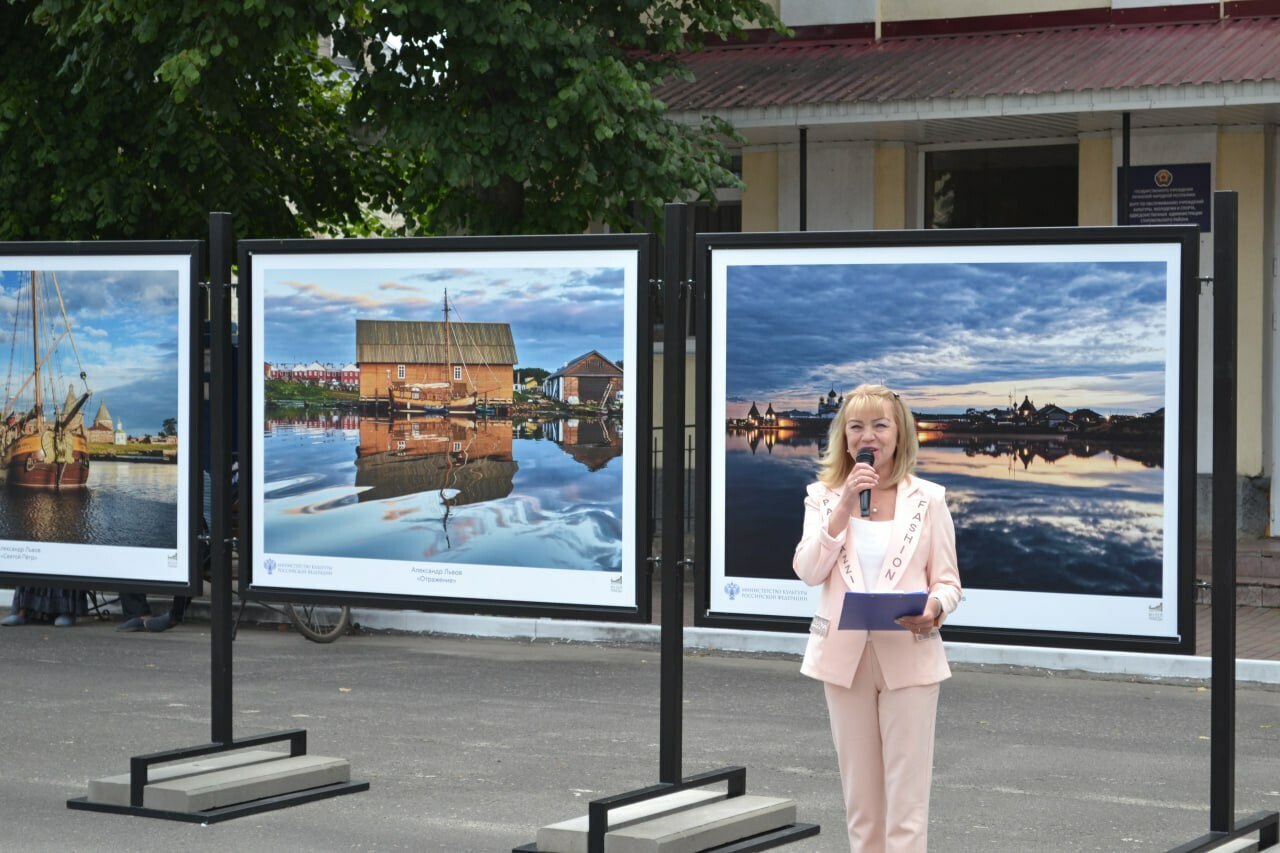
(855, 730)
(167, 620)
(907, 717)
(17, 614)
(134, 608)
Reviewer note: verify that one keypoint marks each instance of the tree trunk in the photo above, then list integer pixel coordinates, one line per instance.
(502, 208)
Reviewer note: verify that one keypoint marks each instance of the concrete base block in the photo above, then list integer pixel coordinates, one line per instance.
(242, 784)
(570, 836)
(704, 827)
(114, 790)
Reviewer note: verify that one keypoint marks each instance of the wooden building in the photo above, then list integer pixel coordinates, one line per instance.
(480, 358)
(589, 379)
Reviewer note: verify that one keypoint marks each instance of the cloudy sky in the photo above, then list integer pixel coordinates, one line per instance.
(949, 336)
(125, 326)
(555, 313)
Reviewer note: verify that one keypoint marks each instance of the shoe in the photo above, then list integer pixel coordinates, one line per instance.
(13, 619)
(64, 620)
(156, 624)
(134, 624)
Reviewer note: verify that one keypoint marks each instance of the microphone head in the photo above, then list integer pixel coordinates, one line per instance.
(866, 455)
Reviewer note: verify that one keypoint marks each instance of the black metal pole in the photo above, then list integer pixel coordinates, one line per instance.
(804, 179)
(1122, 209)
(220, 428)
(1222, 747)
(674, 275)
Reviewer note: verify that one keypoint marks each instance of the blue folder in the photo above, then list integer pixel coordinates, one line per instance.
(875, 611)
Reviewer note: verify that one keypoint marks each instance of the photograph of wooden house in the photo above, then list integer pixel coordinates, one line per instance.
(430, 366)
(589, 379)
(448, 450)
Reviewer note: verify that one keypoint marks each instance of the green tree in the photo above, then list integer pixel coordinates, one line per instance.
(539, 115)
(170, 427)
(135, 118)
(535, 373)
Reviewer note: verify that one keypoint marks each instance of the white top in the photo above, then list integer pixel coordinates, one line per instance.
(871, 543)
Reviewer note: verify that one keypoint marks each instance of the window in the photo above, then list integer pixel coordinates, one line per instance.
(457, 373)
(1002, 187)
(399, 371)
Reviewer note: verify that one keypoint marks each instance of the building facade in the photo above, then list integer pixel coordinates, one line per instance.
(589, 379)
(479, 359)
(904, 114)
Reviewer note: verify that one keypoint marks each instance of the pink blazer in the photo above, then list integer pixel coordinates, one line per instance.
(921, 555)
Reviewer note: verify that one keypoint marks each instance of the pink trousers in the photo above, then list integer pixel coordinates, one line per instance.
(884, 745)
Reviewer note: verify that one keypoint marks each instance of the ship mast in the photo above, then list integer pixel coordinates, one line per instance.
(35, 346)
(448, 353)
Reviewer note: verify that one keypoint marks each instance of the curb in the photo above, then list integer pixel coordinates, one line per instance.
(768, 642)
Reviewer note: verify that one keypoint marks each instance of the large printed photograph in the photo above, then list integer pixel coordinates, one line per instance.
(1044, 382)
(93, 438)
(446, 424)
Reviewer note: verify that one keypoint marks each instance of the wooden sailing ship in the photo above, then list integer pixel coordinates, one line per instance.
(456, 395)
(39, 448)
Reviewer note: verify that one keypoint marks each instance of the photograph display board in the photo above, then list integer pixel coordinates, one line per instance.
(445, 423)
(1051, 375)
(98, 417)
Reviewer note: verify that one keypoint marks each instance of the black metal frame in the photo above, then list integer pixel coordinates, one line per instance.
(220, 555)
(1186, 236)
(676, 264)
(1223, 826)
(192, 426)
(638, 378)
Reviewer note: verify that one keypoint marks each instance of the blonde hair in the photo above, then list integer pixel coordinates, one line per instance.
(837, 463)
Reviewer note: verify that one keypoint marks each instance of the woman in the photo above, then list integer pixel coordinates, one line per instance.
(881, 686)
(46, 604)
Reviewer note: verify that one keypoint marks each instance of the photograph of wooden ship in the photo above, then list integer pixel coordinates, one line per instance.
(74, 339)
(43, 445)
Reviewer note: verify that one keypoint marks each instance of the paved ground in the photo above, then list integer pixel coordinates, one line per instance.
(471, 744)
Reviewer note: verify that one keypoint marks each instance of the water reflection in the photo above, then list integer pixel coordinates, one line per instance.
(463, 461)
(1040, 514)
(449, 489)
(132, 504)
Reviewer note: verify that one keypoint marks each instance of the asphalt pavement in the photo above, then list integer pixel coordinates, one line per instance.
(471, 744)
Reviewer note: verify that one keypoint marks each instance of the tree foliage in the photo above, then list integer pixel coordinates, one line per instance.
(134, 118)
(540, 115)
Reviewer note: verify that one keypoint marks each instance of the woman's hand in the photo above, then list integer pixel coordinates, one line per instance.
(923, 624)
(861, 479)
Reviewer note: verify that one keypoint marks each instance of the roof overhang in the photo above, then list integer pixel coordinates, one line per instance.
(1050, 84)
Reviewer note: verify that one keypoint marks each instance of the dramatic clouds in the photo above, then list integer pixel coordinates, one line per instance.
(555, 313)
(949, 336)
(125, 327)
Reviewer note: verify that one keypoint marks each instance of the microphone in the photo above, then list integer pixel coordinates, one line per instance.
(868, 456)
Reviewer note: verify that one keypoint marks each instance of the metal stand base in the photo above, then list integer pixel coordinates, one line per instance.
(765, 841)
(1266, 824)
(736, 781)
(139, 771)
(266, 804)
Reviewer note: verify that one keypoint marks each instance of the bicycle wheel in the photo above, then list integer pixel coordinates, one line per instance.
(319, 623)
